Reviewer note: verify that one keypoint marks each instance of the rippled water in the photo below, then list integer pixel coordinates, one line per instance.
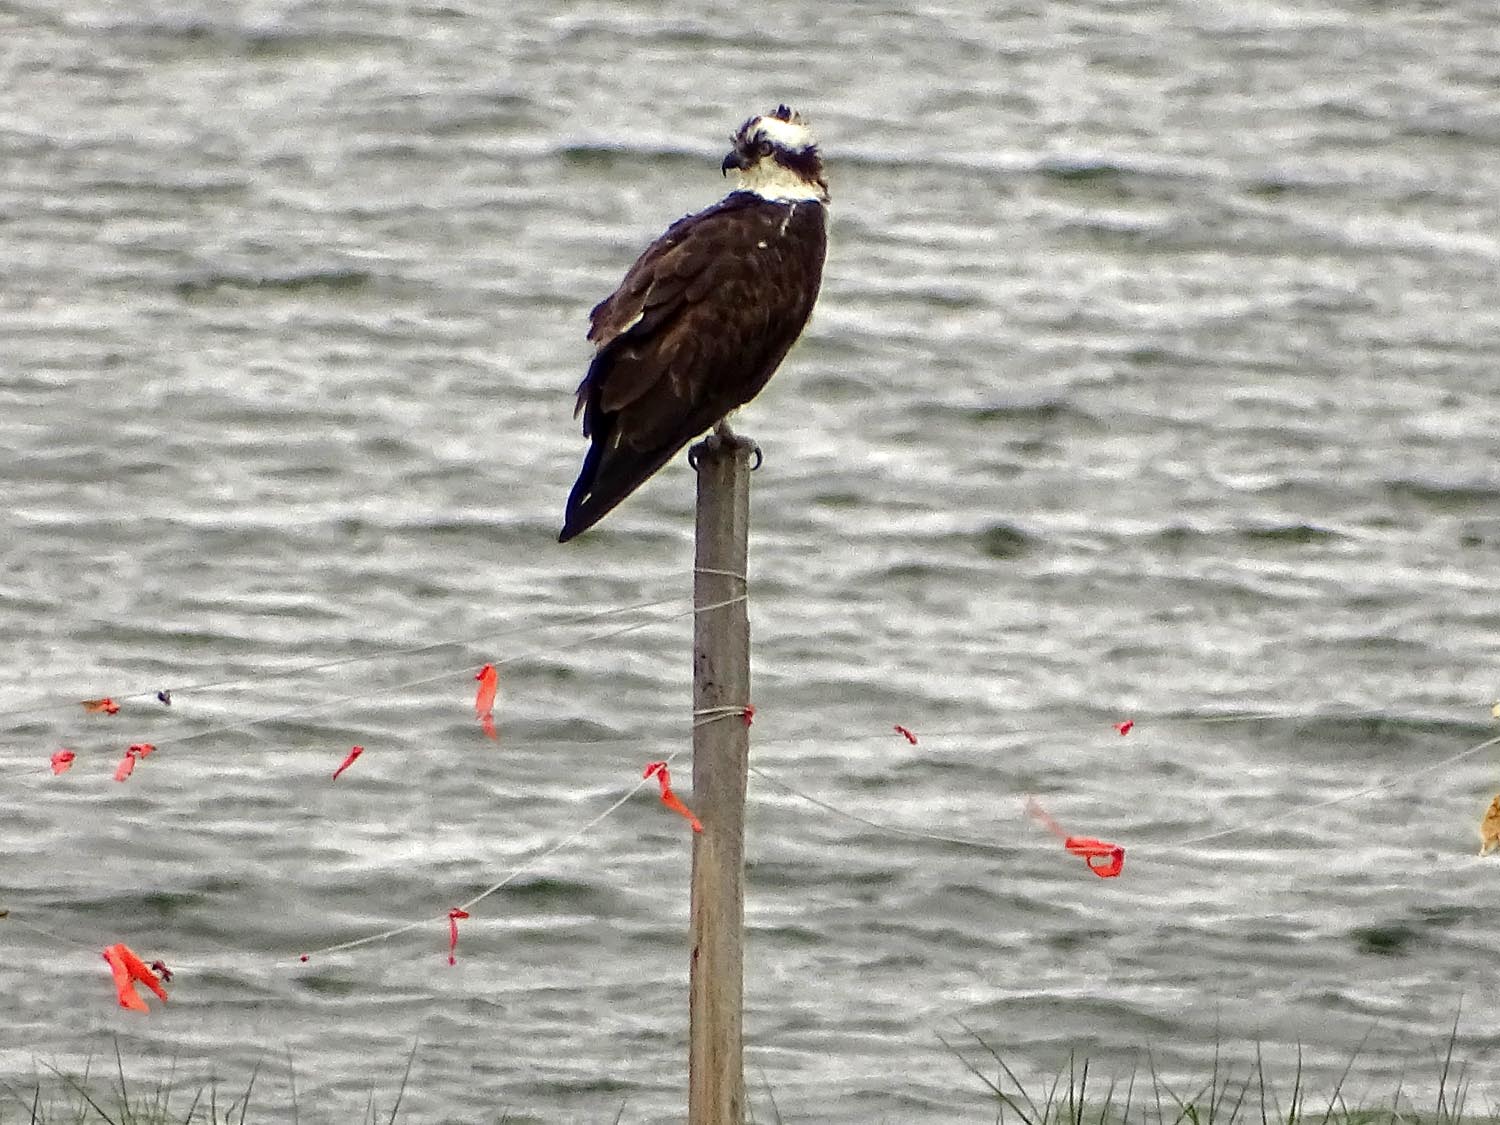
(1153, 376)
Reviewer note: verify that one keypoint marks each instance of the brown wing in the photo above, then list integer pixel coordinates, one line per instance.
(697, 328)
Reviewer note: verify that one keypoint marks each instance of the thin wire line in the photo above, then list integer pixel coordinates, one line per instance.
(712, 714)
(323, 666)
(323, 705)
(700, 718)
(1216, 835)
(878, 825)
(531, 863)
(10, 918)
(720, 605)
(1144, 728)
(527, 866)
(721, 573)
(1302, 809)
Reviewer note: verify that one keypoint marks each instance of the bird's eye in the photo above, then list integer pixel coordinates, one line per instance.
(764, 148)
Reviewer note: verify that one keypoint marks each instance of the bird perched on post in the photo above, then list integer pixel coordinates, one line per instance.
(704, 317)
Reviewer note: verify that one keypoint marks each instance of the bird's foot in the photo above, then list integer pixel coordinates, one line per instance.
(724, 440)
(733, 440)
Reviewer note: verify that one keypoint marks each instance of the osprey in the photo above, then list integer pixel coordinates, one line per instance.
(704, 317)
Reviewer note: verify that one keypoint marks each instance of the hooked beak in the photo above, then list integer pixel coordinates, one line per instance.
(735, 160)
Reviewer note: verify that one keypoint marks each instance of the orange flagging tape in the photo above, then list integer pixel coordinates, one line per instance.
(484, 699)
(348, 761)
(1091, 849)
(127, 969)
(668, 798)
(133, 754)
(453, 916)
(1086, 846)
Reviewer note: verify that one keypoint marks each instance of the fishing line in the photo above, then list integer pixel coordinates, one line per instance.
(709, 715)
(313, 708)
(736, 600)
(712, 715)
(721, 573)
(878, 825)
(325, 665)
(1287, 814)
(515, 874)
(1365, 792)
(323, 705)
(10, 918)
(526, 867)
(1142, 728)
(395, 931)
(248, 725)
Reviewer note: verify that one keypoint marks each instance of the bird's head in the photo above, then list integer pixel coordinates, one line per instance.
(776, 157)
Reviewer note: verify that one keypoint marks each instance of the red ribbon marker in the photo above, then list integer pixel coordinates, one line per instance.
(348, 761)
(1086, 846)
(668, 798)
(62, 761)
(127, 969)
(484, 700)
(1091, 849)
(748, 714)
(453, 916)
(106, 706)
(133, 753)
(1125, 727)
(906, 734)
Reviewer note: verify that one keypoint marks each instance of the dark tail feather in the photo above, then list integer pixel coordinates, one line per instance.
(604, 482)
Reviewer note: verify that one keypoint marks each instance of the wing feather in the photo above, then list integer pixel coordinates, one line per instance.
(656, 279)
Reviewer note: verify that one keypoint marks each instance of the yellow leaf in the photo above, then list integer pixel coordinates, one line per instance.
(1489, 828)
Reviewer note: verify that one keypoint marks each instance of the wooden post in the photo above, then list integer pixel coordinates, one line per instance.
(721, 759)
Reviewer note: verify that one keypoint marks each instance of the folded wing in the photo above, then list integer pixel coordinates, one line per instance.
(697, 328)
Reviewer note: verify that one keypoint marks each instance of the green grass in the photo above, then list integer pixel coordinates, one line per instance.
(1226, 1097)
(70, 1099)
